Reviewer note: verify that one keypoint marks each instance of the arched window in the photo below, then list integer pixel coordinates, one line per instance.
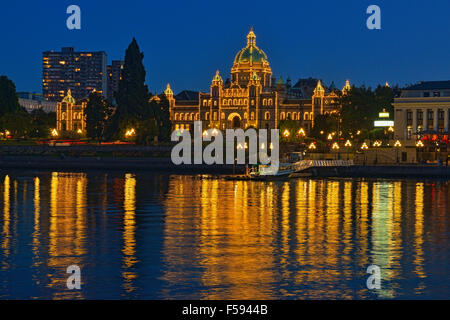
(181, 116)
(235, 102)
(288, 116)
(191, 117)
(245, 115)
(245, 101)
(264, 102)
(222, 116)
(230, 102)
(299, 116)
(282, 116)
(176, 116)
(252, 116)
(209, 103)
(306, 116)
(294, 116)
(267, 115)
(311, 116)
(270, 102)
(207, 116)
(197, 116)
(215, 115)
(205, 103)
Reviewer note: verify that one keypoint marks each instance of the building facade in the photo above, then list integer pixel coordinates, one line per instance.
(253, 97)
(114, 76)
(81, 72)
(422, 109)
(70, 115)
(34, 101)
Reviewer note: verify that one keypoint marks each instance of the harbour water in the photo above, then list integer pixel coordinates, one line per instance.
(138, 235)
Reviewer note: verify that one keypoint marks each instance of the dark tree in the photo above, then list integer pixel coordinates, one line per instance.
(132, 96)
(9, 102)
(42, 123)
(162, 115)
(97, 113)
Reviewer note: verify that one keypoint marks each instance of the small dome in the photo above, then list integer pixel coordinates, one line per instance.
(217, 77)
(68, 98)
(168, 90)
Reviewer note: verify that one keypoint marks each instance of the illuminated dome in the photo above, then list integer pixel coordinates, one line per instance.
(68, 98)
(249, 60)
(251, 53)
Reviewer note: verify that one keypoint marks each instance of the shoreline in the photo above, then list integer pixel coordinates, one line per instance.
(165, 165)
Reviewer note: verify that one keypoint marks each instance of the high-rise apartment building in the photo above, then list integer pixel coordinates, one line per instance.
(81, 72)
(114, 76)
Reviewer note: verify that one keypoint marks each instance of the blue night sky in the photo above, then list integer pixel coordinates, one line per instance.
(185, 42)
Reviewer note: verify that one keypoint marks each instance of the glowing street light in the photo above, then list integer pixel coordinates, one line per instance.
(348, 144)
(286, 133)
(301, 132)
(330, 137)
(419, 144)
(55, 133)
(130, 133)
(397, 144)
(364, 146)
(335, 146)
(312, 146)
(377, 143)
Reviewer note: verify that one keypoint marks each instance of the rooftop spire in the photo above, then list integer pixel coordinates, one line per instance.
(251, 38)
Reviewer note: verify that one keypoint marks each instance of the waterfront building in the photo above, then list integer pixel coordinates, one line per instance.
(422, 110)
(114, 76)
(253, 97)
(34, 101)
(81, 72)
(70, 115)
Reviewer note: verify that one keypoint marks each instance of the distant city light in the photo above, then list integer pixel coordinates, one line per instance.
(384, 123)
(130, 133)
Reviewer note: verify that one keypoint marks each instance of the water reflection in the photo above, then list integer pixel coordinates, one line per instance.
(163, 237)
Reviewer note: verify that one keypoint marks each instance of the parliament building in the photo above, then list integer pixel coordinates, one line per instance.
(253, 97)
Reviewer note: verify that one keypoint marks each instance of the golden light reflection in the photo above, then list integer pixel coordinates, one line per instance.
(6, 216)
(37, 215)
(129, 233)
(67, 231)
(418, 236)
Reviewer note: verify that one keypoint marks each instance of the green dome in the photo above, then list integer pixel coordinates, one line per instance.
(251, 53)
(68, 98)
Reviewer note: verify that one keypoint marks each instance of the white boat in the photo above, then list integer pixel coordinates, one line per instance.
(267, 172)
